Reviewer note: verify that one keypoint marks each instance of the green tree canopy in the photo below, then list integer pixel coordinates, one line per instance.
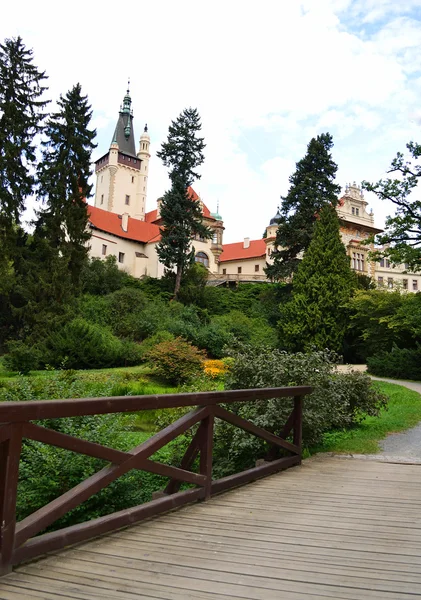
(403, 230)
(64, 180)
(21, 115)
(312, 187)
(181, 214)
(316, 316)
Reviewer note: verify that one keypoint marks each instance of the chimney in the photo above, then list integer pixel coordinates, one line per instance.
(125, 221)
(246, 243)
(158, 207)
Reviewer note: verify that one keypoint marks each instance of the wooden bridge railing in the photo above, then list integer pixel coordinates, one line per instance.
(17, 541)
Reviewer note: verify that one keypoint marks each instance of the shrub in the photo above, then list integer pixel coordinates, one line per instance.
(215, 369)
(176, 360)
(84, 345)
(401, 363)
(160, 336)
(337, 401)
(21, 357)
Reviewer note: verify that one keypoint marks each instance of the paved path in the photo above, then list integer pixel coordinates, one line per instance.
(338, 529)
(405, 445)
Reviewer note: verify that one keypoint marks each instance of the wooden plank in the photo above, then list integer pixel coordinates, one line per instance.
(43, 517)
(129, 564)
(77, 533)
(298, 421)
(159, 548)
(280, 571)
(226, 415)
(9, 475)
(186, 462)
(52, 409)
(225, 483)
(249, 553)
(206, 446)
(119, 587)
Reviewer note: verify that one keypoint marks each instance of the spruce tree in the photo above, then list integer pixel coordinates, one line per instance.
(21, 115)
(63, 176)
(312, 187)
(316, 316)
(181, 215)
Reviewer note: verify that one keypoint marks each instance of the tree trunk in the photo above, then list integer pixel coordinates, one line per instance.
(178, 281)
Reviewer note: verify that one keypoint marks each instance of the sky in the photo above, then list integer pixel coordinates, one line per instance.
(265, 76)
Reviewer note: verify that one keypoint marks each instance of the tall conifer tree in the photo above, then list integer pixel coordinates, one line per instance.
(312, 187)
(64, 186)
(21, 115)
(182, 153)
(315, 317)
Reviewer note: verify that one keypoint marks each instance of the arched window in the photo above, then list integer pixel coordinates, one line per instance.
(202, 258)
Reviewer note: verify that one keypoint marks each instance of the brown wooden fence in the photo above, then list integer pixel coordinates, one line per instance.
(17, 541)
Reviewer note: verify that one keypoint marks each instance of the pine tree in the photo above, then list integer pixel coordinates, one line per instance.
(64, 186)
(312, 188)
(181, 215)
(316, 315)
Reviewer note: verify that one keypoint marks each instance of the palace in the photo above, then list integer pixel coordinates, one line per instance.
(121, 226)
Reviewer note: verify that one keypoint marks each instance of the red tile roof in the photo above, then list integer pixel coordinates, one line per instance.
(152, 215)
(236, 251)
(138, 231)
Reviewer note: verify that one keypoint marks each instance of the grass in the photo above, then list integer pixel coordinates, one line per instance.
(403, 412)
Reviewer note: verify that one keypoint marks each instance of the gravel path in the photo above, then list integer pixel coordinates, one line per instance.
(406, 444)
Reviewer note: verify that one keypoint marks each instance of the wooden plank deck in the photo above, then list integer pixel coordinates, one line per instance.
(331, 528)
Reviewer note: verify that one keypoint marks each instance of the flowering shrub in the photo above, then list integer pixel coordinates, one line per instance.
(176, 360)
(215, 368)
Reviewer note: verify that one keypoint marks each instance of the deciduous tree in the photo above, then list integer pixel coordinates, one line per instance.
(403, 230)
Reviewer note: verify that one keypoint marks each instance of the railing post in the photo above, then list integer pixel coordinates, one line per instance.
(10, 450)
(206, 452)
(298, 422)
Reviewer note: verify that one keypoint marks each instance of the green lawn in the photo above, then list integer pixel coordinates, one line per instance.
(404, 412)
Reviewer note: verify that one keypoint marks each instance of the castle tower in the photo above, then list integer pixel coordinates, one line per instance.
(356, 225)
(121, 181)
(144, 156)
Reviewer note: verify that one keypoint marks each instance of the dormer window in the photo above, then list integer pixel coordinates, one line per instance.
(355, 211)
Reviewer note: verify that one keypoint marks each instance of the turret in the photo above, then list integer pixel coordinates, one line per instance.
(144, 156)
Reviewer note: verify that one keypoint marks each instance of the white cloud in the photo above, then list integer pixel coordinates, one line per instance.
(265, 77)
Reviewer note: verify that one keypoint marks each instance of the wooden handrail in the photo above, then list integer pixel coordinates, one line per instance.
(17, 541)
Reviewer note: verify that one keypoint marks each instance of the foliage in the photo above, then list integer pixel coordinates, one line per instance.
(400, 363)
(215, 369)
(380, 319)
(101, 277)
(312, 188)
(83, 345)
(337, 401)
(64, 185)
(21, 114)
(192, 290)
(177, 361)
(180, 212)
(403, 230)
(403, 411)
(21, 357)
(316, 316)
